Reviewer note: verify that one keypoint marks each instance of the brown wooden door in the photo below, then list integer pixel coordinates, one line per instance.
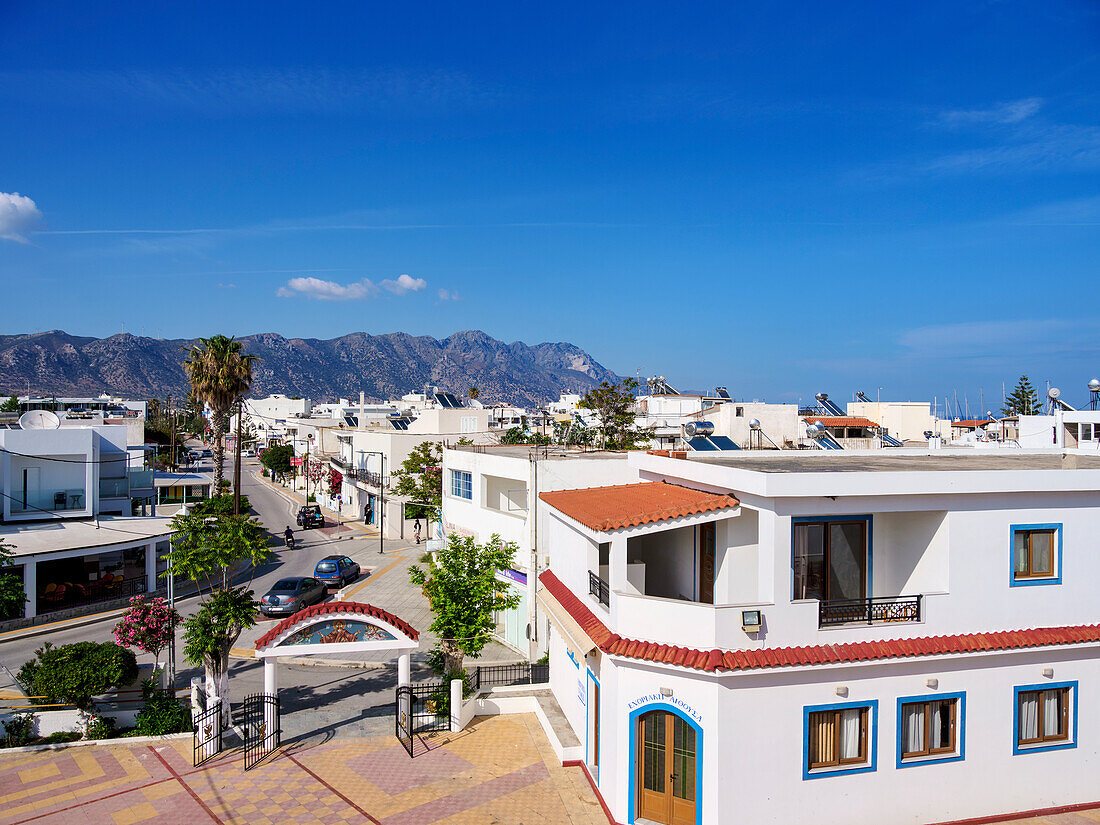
(666, 769)
(706, 563)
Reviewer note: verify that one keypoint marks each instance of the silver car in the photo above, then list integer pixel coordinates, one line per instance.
(290, 595)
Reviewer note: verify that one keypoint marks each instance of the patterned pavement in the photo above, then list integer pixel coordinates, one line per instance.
(500, 770)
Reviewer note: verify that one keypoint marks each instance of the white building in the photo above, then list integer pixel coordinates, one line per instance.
(68, 497)
(268, 417)
(837, 638)
(487, 490)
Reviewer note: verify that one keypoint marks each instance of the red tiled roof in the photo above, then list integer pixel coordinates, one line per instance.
(972, 422)
(337, 607)
(718, 659)
(628, 505)
(840, 420)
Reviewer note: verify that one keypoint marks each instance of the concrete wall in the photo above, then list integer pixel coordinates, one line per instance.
(779, 422)
(905, 420)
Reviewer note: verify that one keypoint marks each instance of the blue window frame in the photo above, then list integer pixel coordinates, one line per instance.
(931, 729)
(1044, 717)
(839, 739)
(1034, 554)
(462, 484)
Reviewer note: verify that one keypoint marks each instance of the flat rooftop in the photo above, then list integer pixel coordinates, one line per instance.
(805, 461)
(35, 538)
(551, 452)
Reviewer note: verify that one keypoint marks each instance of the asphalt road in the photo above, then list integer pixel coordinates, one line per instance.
(314, 698)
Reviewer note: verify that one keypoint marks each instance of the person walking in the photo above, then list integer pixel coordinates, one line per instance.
(416, 531)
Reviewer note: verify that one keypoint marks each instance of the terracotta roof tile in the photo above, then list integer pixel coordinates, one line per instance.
(972, 422)
(628, 505)
(337, 607)
(840, 420)
(717, 659)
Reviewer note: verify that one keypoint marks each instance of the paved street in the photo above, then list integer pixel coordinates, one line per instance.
(500, 770)
(339, 700)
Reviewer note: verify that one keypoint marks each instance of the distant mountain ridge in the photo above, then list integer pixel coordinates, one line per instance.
(384, 366)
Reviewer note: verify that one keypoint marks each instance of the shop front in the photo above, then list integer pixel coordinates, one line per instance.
(98, 577)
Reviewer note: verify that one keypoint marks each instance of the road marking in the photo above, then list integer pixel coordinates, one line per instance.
(373, 576)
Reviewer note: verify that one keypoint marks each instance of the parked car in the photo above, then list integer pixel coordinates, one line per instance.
(290, 595)
(248, 452)
(207, 453)
(310, 515)
(336, 571)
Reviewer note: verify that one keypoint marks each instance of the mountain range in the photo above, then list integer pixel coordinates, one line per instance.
(383, 366)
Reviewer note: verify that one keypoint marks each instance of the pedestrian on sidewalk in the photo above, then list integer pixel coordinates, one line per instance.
(416, 530)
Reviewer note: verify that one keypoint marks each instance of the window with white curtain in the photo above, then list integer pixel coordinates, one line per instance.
(928, 728)
(1033, 554)
(838, 737)
(1043, 716)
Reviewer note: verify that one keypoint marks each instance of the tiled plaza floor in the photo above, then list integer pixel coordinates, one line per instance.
(500, 770)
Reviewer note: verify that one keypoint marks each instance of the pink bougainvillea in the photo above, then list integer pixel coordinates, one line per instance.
(147, 624)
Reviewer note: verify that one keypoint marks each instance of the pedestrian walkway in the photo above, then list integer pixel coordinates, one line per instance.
(500, 770)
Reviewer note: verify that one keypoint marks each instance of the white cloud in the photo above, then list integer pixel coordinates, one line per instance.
(18, 215)
(980, 338)
(321, 290)
(447, 295)
(403, 284)
(1013, 111)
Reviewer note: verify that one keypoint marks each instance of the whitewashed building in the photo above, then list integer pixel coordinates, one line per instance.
(837, 638)
(487, 490)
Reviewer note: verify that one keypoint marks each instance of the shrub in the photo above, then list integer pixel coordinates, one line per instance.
(162, 713)
(77, 672)
(60, 736)
(17, 730)
(100, 727)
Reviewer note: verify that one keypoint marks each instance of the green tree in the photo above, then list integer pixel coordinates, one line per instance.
(220, 374)
(420, 476)
(614, 406)
(11, 405)
(12, 594)
(77, 672)
(473, 393)
(208, 550)
(1023, 400)
(277, 459)
(463, 591)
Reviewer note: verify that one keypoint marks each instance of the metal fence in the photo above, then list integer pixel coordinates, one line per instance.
(868, 611)
(523, 673)
(599, 588)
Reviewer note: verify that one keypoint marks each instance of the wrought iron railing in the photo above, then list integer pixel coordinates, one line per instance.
(599, 588)
(869, 611)
(370, 478)
(523, 673)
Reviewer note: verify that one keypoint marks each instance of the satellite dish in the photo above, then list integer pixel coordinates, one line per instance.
(1054, 393)
(39, 420)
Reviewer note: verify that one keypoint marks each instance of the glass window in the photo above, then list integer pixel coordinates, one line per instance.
(829, 561)
(1033, 554)
(462, 485)
(838, 737)
(1043, 716)
(928, 728)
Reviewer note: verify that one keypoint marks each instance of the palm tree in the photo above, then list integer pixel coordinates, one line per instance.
(221, 374)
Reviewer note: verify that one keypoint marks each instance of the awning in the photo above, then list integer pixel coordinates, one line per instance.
(572, 633)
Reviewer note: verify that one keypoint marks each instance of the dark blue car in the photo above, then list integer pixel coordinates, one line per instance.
(336, 571)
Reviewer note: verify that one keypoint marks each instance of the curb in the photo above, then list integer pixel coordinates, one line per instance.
(80, 743)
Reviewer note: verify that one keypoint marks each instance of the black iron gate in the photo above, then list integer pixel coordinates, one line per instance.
(207, 736)
(261, 727)
(420, 709)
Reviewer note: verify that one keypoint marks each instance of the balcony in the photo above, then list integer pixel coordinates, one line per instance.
(599, 588)
(48, 502)
(114, 487)
(370, 478)
(878, 610)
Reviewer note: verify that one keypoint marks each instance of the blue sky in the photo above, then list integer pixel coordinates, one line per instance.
(782, 198)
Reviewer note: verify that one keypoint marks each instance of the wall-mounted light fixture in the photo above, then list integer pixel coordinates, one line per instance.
(666, 691)
(932, 683)
(841, 690)
(1048, 673)
(751, 620)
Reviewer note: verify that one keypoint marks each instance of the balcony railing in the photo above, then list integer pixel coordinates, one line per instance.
(599, 588)
(369, 478)
(869, 611)
(114, 487)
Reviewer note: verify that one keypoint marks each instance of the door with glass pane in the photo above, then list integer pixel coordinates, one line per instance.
(666, 769)
(830, 560)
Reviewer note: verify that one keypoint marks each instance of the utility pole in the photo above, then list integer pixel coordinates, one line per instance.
(237, 462)
(172, 434)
